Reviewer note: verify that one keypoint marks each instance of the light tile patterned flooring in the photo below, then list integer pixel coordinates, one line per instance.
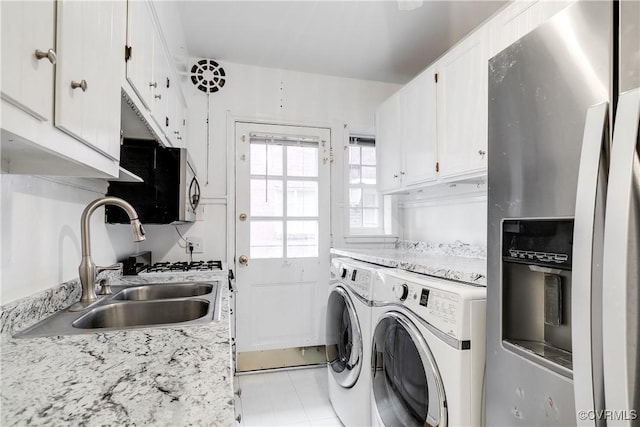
(286, 398)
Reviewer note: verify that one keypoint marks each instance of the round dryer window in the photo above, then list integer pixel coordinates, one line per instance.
(407, 387)
(344, 339)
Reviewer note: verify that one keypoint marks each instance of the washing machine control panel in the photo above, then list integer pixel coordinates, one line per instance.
(360, 281)
(438, 307)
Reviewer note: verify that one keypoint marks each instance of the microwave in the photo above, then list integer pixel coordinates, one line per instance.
(169, 193)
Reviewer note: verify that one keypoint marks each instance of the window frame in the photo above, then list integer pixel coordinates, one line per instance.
(360, 140)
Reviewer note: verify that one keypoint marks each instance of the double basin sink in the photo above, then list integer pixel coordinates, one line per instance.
(137, 306)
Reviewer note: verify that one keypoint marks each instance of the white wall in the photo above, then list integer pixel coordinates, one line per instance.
(41, 233)
(270, 95)
(446, 215)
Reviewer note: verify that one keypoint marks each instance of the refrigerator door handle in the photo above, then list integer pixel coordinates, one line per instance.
(621, 265)
(586, 287)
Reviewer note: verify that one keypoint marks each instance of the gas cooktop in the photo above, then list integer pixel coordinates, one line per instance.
(184, 266)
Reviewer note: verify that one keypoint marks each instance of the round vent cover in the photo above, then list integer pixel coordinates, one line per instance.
(207, 75)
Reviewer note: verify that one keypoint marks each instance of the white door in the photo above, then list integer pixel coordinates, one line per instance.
(282, 231)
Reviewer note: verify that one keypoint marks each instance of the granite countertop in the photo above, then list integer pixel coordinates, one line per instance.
(171, 376)
(460, 262)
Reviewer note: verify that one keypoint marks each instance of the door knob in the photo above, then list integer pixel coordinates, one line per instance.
(50, 55)
(243, 260)
(82, 84)
(243, 217)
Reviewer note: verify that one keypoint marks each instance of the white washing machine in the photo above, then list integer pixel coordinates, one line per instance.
(428, 351)
(348, 343)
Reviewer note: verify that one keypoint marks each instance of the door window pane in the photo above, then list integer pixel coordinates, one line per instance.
(266, 158)
(302, 239)
(302, 161)
(266, 239)
(302, 198)
(266, 197)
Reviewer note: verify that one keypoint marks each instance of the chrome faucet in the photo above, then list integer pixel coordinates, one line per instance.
(88, 269)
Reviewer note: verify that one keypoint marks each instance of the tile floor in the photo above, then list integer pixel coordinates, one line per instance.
(297, 397)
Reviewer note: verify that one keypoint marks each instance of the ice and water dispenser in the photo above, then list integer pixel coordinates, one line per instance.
(536, 290)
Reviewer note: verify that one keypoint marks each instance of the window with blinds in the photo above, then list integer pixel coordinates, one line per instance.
(365, 203)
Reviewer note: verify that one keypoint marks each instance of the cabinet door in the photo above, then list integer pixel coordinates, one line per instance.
(90, 44)
(462, 107)
(420, 141)
(389, 135)
(140, 39)
(27, 82)
(159, 105)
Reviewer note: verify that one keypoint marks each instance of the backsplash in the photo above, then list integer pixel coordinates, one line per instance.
(20, 314)
(456, 248)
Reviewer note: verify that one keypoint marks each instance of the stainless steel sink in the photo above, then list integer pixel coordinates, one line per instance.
(138, 306)
(144, 313)
(170, 290)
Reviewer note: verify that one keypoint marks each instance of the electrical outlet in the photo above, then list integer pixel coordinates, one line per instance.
(196, 242)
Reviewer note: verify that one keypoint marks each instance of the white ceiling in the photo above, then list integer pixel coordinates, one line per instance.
(371, 40)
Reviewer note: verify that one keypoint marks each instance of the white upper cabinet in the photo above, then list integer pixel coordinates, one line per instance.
(462, 107)
(389, 135)
(29, 56)
(150, 75)
(90, 40)
(420, 152)
(61, 103)
(140, 57)
(406, 135)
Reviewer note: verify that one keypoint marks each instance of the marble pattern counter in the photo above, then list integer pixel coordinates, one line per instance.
(463, 263)
(171, 376)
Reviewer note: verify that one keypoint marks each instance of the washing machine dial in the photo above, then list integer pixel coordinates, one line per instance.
(402, 291)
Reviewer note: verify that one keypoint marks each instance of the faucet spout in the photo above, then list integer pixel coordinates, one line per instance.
(87, 268)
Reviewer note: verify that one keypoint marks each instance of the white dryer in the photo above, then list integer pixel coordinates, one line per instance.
(348, 342)
(428, 351)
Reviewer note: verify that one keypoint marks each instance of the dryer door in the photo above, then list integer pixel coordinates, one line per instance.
(407, 387)
(344, 339)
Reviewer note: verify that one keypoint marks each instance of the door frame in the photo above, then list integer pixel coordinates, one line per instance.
(336, 133)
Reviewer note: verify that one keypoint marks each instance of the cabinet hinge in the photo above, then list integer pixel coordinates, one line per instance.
(127, 53)
(437, 166)
(435, 77)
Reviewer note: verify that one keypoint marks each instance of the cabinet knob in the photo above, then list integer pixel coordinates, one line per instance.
(243, 260)
(177, 132)
(395, 175)
(159, 96)
(154, 84)
(50, 55)
(482, 153)
(179, 138)
(82, 84)
(402, 172)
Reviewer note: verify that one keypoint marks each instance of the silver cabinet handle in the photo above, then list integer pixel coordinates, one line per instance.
(82, 84)
(154, 84)
(179, 138)
(177, 132)
(50, 55)
(157, 96)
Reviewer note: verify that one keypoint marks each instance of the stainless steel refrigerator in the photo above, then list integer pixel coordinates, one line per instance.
(563, 222)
